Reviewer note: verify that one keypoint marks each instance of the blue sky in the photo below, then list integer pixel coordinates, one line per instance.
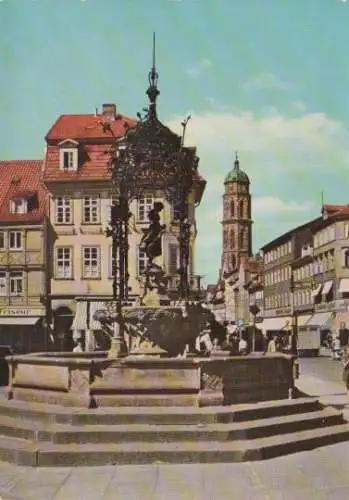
(267, 78)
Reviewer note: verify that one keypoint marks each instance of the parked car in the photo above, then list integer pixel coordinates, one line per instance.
(5, 350)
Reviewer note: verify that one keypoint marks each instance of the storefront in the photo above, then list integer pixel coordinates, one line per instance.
(272, 326)
(23, 329)
(312, 334)
(85, 325)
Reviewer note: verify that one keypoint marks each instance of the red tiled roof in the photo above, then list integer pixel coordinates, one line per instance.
(82, 127)
(95, 154)
(93, 165)
(21, 178)
(335, 210)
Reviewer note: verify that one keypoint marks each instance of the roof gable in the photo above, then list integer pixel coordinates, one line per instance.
(20, 179)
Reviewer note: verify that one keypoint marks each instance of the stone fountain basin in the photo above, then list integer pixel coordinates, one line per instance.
(166, 326)
(90, 379)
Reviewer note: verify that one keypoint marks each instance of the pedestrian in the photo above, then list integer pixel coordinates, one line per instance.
(272, 345)
(336, 348)
(203, 341)
(243, 346)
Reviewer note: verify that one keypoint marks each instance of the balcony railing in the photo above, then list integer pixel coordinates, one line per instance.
(25, 300)
(22, 258)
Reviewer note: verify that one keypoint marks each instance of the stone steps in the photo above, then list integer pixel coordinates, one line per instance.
(48, 414)
(48, 454)
(47, 435)
(122, 433)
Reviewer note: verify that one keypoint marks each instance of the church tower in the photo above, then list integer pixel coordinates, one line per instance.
(237, 222)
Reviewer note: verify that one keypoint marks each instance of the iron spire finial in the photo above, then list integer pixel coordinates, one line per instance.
(237, 162)
(153, 90)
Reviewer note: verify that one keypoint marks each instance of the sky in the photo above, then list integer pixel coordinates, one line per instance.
(266, 78)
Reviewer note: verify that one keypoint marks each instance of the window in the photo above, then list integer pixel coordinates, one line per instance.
(64, 263)
(15, 240)
(145, 204)
(63, 210)
(91, 262)
(346, 231)
(68, 159)
(16, 283)
(141, 261)
(232, 209)
(91, 213)
(172, 259)
(241, 209)
(18, 206)
(3, 284)
(111, 261)
(346, 258)
(2, 240)
(232, 239)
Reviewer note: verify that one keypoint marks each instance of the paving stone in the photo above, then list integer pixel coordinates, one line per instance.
(181, 482)
(85, 485)
(297, 494)
(276, 475)
(339, 493)
(228, 481)
(27, 491)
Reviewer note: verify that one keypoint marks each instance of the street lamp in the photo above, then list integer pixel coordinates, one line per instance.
(148, 157)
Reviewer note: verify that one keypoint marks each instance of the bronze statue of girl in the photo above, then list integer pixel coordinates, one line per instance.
(151, 241)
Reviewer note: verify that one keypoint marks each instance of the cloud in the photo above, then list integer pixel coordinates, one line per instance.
(274, 205)
(199, 68)
(266, 81)
(290, 158)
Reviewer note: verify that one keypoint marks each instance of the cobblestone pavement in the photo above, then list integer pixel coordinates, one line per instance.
(319, 474)
(313, 475)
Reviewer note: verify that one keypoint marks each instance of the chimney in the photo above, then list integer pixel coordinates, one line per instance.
(109, 112)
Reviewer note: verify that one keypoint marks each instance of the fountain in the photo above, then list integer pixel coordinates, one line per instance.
(152, 361)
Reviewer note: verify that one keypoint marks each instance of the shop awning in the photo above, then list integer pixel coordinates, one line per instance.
(20, 321)
(316, 292)
(275, 324)
(302, 320)
(341, 320)
(96, 306)
(322, 320)
(327, 287)
(80, 318)
(344, 286)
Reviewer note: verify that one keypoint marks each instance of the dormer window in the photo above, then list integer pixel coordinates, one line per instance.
(68, 155)
(23, 202)
(19, 206)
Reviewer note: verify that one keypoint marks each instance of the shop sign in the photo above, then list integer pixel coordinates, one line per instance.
(21, 311)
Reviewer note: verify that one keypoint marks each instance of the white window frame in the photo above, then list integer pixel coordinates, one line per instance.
(15, 240)
(3, 284)
(68, 159)
(18, 206)
(91, 213)
(63, 210)
(173, 247)
(346, 231)
(16, 283)
(91, 262)
(144, 204)
(63, 262)
(2, 240)
(142, 261)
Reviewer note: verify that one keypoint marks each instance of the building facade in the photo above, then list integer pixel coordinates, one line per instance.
(77, 177)
(288, 276)
(307, 275)
(23, 257)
